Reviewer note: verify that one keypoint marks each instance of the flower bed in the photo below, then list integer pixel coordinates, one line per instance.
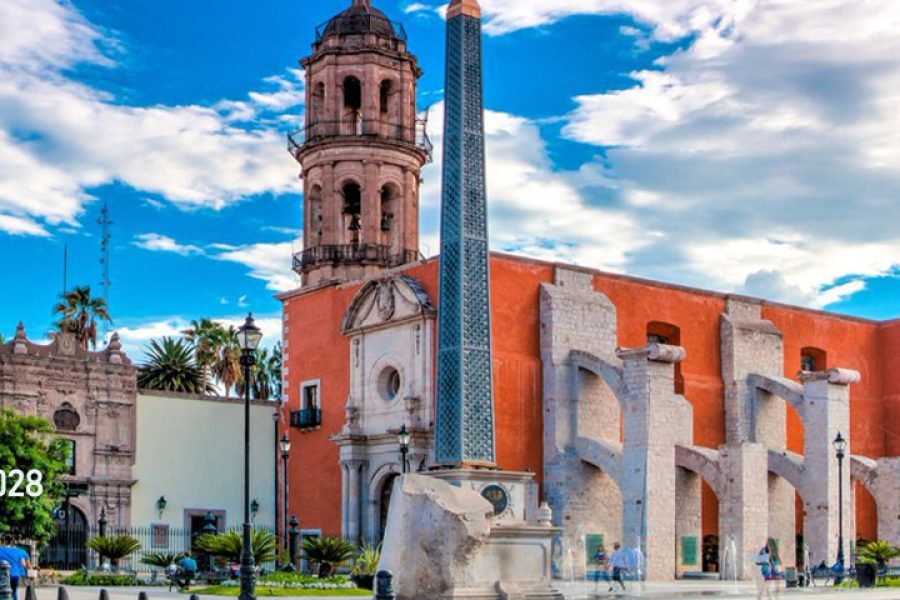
(298, 581)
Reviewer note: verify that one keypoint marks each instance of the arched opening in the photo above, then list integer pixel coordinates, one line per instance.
(813, 359)
(68, 546)
(384, 502)
(315, 220)
(659, 332)
(353, 121)
(390, 199)
(317, 109)
(384, 95)
(66, 418)
(599, 413)
(352, 209)
(866, 512)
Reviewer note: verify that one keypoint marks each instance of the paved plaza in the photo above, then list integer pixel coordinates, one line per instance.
(681, 590)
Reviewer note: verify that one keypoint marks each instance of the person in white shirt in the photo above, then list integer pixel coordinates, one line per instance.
(619, 563)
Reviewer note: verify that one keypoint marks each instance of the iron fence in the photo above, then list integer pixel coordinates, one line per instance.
(68, 549)
(416, 135)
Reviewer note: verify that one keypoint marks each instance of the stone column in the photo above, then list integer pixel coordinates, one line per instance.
(888, 500)
(655, 421)
(743, 507)
(354, 498)
(826, 407)
(584, 499)
(751, 345)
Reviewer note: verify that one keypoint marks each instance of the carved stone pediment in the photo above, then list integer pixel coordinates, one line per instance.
(384, 301)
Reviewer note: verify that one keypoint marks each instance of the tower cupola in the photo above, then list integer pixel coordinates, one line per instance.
(362, 149)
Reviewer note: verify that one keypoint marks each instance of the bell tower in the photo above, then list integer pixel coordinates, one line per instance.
(361, 151)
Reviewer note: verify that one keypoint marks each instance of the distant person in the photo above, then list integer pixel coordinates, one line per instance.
(619, 563)
(763, 562)
(635, 561)
(19, 564)
(601, 563)
(188, 567)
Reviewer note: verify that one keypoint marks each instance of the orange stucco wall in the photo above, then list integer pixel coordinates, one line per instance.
(316, 350)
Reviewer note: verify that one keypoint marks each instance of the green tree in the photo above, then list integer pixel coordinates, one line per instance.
(26, 444)
(208, 337)
(227, 367)
(170, 367)
(879, 552)
(227, 546)
(79, 314)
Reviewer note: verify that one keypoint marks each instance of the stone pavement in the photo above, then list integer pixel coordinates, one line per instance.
(679, 590)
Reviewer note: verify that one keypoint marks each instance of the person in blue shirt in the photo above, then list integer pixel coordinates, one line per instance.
(188, 567)
(19, 563)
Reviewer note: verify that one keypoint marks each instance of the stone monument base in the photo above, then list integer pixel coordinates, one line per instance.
(444, 542)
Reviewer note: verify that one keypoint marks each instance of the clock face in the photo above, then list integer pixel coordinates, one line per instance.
(498, 497)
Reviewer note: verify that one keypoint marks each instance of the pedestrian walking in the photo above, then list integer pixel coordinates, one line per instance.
(19, 564)
(601, 565)
(619, 563)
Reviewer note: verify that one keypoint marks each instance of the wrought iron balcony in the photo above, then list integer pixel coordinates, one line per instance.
(308, 418)
(340, 254)
(373, 129)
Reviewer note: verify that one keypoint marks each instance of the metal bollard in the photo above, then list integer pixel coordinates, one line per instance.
(142, 596)
(62, 594)
(384, 585)
(5, 589)
(194, 597)
(104, 595)
(29, 592)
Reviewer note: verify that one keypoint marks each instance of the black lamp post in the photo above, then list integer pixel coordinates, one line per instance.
(248, 337)
(403, 437)
(840, 447)
(285, 444)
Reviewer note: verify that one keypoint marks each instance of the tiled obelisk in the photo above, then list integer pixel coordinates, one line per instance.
(464, 430)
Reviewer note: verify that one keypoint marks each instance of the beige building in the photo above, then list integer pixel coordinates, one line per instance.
(190, 457)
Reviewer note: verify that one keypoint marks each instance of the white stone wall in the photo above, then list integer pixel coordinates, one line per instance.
(190, 449)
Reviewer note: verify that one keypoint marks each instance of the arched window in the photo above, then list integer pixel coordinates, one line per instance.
(352, 93)
(315, 216)
(390, 195)
(352, 209)
(317, 112)
(666, 333)
(385, 96)
(813, 359)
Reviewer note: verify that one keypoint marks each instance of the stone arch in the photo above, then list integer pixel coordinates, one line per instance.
(351, 208)
(788, 390)
(609, 372)
(601, 399)
(864, 470)
(788, 466)
(705, 462)
(602, 455)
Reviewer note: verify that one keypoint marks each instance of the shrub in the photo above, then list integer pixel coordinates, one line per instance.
(114, 548)
(328, 552)
(878, 552)
(85, 577)
(367, 559)
(227, 546)
(161, 559)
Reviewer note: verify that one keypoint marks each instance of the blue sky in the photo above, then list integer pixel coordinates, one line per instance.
(706, 142)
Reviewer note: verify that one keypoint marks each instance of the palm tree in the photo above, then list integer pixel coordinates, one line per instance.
(227, 367)
(228, 545)
(207, 336)
(170, 367)
(79, 314)
(328, 552)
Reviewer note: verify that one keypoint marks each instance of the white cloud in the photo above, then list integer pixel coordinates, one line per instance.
(271, 263)
(768, 151)
(161, 243)
(59, 137)
(20, 226)
(136, 336)
(534, 210)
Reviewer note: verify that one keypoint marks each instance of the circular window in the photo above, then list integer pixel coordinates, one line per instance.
(389, 383)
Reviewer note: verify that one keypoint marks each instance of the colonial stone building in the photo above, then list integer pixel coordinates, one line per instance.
(90, 399)
(690, 423)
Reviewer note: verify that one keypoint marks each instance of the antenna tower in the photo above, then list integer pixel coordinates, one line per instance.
(104, 256)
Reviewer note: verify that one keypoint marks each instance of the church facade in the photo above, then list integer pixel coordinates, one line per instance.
(689, 423)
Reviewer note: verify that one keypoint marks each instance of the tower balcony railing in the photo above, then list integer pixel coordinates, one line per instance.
(341, 254)
(373, 129)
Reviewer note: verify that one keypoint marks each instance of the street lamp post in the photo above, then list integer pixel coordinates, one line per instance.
(403, 437)
(840, 447)
(285, 454)
(248, 336)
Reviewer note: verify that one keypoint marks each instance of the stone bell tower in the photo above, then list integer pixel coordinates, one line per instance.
(361, 151)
